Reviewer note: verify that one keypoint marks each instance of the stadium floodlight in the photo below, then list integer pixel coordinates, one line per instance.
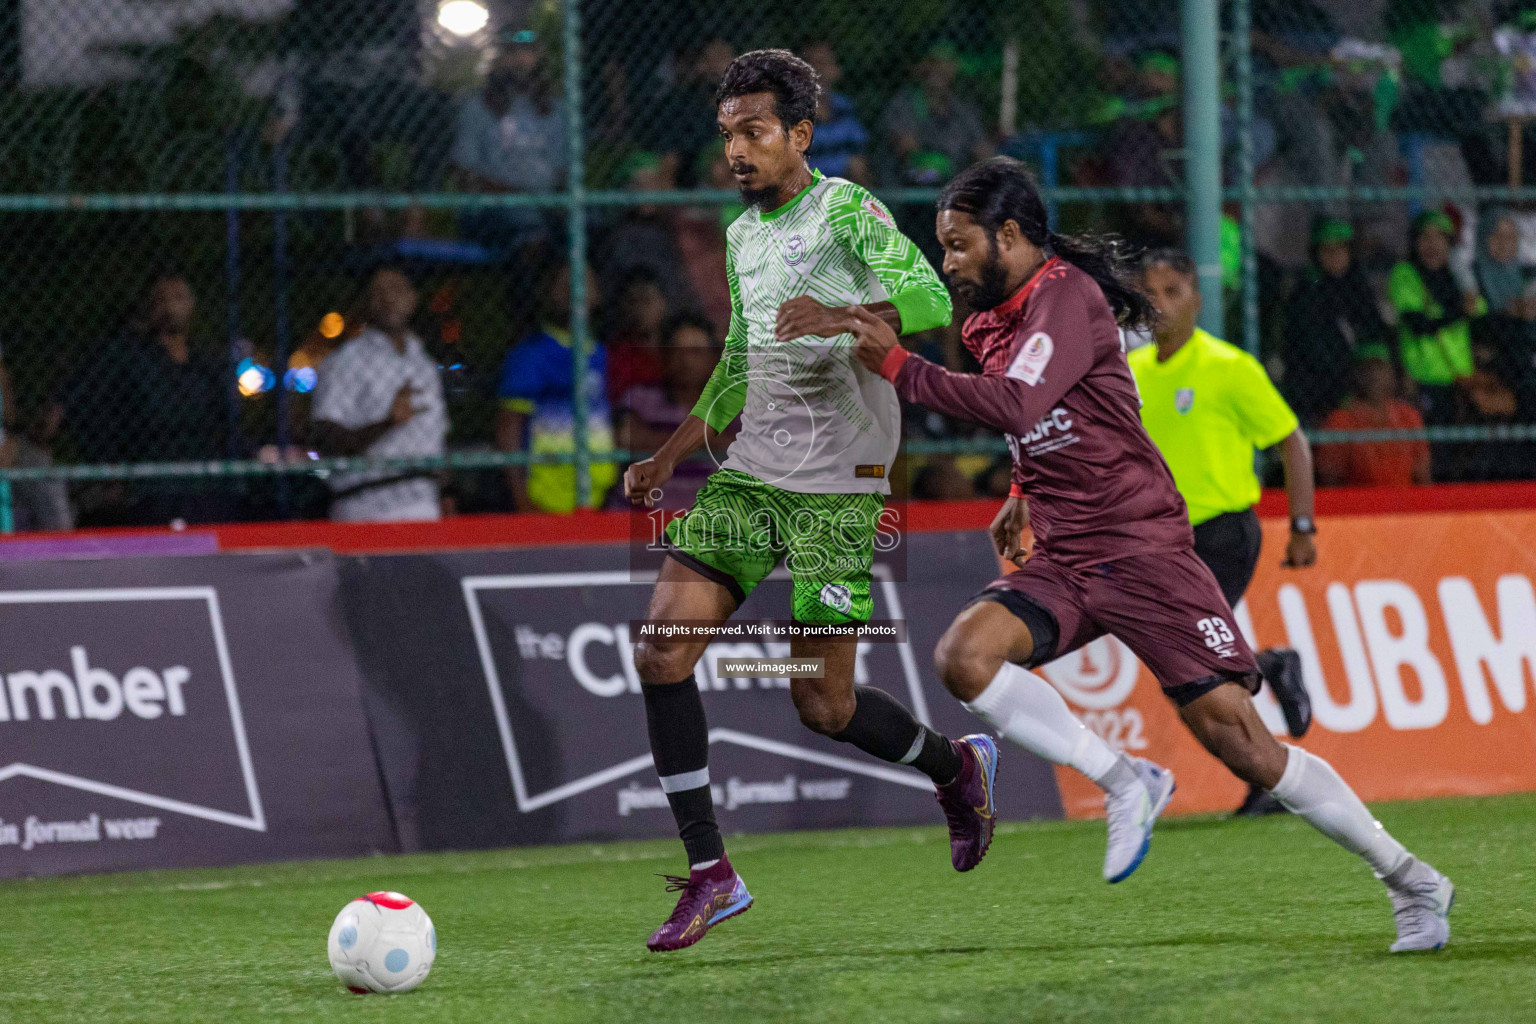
(463, 17)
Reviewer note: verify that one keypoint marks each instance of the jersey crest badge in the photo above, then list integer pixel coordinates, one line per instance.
(794, 250)
(880, 213)
(1034, 354)
(837, 597)
(1184, 400)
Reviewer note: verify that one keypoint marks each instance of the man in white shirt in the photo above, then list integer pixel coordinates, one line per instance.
(380, 395)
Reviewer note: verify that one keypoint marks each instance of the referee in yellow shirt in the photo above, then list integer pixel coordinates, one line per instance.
(1209, 407)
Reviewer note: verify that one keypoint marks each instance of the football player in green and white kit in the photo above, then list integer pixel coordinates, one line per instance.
(804, 481)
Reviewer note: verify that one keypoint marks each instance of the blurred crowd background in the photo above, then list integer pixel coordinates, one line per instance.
(232, 227)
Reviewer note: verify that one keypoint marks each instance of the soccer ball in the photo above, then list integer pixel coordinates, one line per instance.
(382, 942)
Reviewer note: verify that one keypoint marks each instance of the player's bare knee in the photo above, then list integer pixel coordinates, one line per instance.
(657, 664)
(964, 664)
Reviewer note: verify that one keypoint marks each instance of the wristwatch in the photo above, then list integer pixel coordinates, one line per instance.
(1303, 524)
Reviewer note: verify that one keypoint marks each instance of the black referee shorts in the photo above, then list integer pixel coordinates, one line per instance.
(1229, 546)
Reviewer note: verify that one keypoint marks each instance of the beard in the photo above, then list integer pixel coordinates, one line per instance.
(990, 291)
(766, 197)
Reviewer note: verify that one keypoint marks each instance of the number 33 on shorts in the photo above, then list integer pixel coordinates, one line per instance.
(1217, 632)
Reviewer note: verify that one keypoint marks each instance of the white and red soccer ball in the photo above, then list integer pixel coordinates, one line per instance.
(382, 942)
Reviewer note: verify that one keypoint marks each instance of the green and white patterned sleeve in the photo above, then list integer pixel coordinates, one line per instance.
(863, 224)
(725, 393)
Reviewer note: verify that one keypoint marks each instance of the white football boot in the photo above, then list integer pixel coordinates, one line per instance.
(1421, 904)
(1130, 816)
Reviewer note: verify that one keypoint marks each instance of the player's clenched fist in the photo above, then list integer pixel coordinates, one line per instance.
(873, 336)
(1300, 552)
(641, 478)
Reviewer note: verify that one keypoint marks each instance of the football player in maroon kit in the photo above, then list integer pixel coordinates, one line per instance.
(1113, 551)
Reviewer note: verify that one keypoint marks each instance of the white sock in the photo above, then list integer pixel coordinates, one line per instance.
(1312, 789)
(704, 865)
(1026, 709)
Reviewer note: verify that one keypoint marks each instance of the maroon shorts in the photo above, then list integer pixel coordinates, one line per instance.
(1166, 607)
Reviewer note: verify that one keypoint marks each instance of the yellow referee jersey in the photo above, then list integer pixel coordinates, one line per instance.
(1208, 409)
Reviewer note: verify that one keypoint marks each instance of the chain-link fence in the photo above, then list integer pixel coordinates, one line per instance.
(198, 199)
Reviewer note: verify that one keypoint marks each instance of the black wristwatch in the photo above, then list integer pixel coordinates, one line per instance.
(1303, 524)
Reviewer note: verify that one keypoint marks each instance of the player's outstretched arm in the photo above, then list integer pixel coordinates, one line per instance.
(1003, 402)
(805, 317)
(643, 477)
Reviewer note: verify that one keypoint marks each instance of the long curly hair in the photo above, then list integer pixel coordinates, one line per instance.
(998, 190)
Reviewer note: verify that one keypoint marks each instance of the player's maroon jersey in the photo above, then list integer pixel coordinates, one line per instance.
(1055, 381)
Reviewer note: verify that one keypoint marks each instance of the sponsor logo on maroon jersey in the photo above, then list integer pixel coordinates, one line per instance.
(1052, 433)
(1029, 364)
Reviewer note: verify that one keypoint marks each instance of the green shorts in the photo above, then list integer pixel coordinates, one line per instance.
(739, 528)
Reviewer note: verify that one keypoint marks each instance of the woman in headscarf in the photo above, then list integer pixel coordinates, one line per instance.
(1331, 314)
(1505, 340)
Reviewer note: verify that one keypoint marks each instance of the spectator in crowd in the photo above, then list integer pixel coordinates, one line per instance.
(639, 313)
(379, 395)
(35, 504)
(679, 120)
(1328, 96)
(1507, 335)
(1438, 97)
(537, 411)
(931, 132)
(1500, 277)
(715, 168)
(644, 235)
(700, 235)
(154, 394)
(840, 143)
(510, 137)
(1515, 41)
(1434, 317)
(1141, 147)
(1375, 405)
(648, 414)
(1331, 314)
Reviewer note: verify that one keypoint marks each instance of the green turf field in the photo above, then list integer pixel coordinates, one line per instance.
(1226, 921)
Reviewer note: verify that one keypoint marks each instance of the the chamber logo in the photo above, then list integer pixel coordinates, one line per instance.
(129, 694)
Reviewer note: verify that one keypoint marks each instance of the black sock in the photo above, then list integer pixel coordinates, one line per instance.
(881, 727)
(674, 717)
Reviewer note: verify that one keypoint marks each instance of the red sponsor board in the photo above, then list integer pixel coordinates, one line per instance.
(1418, 640)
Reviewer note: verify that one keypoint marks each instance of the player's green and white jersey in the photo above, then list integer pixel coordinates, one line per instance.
(814, 420)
